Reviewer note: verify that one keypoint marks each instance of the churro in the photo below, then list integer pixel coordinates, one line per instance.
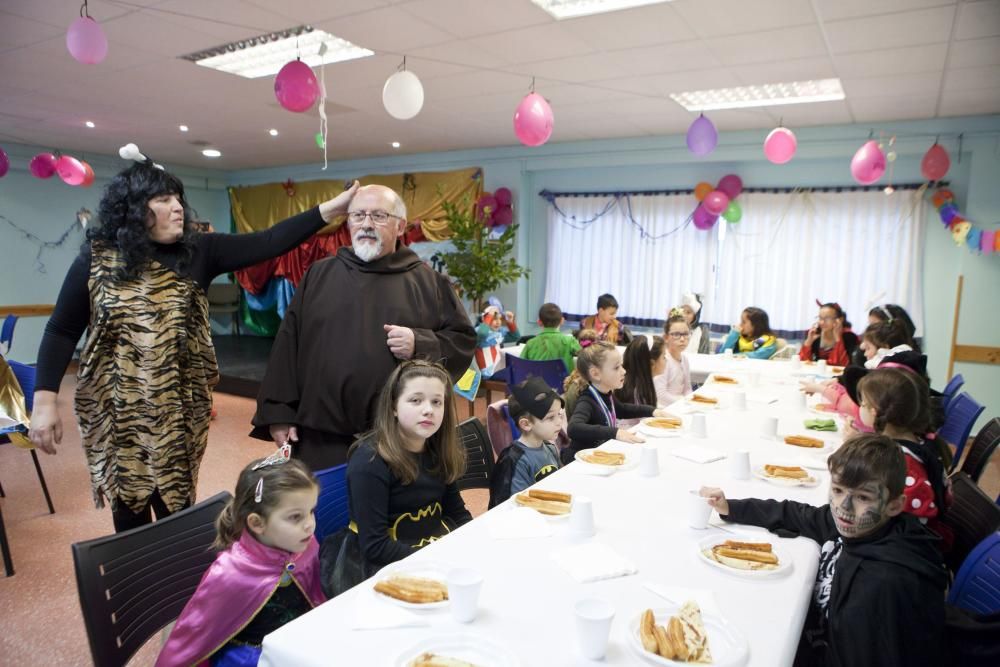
(415, 590)
(803, 441)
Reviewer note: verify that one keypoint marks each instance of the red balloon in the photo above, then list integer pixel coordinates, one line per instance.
(716, 202)
(703, 219)
(503, 196)
(935, 163)
(88, 177)
(504, 216)
(732, 185)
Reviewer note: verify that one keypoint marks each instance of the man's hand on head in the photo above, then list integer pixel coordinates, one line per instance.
(400, 340)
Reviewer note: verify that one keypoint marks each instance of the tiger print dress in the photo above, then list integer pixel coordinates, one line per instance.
(144, 392)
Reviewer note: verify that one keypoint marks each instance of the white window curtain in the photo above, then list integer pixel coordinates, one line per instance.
(858, 249)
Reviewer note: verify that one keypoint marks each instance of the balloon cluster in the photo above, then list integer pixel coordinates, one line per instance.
(71, 170)
(717, 201)
(964, 232)
(495, 209)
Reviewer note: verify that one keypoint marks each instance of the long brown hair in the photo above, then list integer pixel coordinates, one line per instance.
(900, 398)
(277, 480)
(589, 357)
(638, 362)
(758, 322)
(586, 337)
(447, 454)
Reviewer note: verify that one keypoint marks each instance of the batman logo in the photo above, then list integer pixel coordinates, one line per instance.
(545, 471)
(420, 529)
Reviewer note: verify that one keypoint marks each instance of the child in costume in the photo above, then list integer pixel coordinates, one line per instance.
(491, 334)
(700, 341)
(752, 337)
(608, 328)
(266, 575)
(831, 338)
(550, 343)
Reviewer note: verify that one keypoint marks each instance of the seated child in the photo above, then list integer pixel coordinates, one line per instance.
(674, 383)
(401, 478)
(551, 343)
(641, 361)
(572, 384)
(604, 323)
(831, 338)
(595, 415)
(266, 575)
(752, 337)
(491, 334)
(879, 593)
(700, 341)
(538, 412)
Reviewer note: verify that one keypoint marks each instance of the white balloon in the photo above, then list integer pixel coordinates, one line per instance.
(403, 95)
(130, 152)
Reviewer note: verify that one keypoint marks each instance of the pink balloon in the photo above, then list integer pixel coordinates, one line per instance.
(4, 163)
(715, 202)
(703, 219)
(71, 170)
(86, 41)
(485, 202)
(296, 86)
(732, 185)
(780, 145)
(702, 136)
(503, 196)
(935, 163)
(868, 164)
(533, 120)
(987, 241)
(503, 217)
(42, 165)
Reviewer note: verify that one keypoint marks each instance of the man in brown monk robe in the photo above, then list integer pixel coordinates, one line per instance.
(353, 318)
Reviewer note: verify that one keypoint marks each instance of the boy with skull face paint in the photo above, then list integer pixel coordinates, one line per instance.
(879, 592)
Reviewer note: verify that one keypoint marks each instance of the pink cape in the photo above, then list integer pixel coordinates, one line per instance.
(233, 590)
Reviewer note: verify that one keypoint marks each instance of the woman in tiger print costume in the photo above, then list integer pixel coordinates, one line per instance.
(144, 392)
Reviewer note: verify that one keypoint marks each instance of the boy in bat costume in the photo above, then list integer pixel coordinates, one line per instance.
(879, 593)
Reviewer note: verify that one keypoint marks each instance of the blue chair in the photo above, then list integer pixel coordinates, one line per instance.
(7, 333)
(961, 415)
(950, 389)
(25, 375)
(977, 584)
(331, 508)
(552, 371)
(515, 432)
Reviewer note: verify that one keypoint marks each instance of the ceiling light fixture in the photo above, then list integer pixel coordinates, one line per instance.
(265, 54)
(90, 124)
(211, 152)
(567, 9)
(273, 132)
(395, 144)
(182, 128)
(766, 95)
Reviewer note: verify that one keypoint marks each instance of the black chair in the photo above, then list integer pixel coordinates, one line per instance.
(134, 583)
(973, 516)
(8, 561)
(478, 455)
(982, 449)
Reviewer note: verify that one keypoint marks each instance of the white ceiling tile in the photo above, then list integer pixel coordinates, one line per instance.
(978, 19)
(769, 46)
(921, 27)
(971, 78)
(729, 17)
(975, 52)
(387, 29)
(971, 102)
(678, 57)
(544, 42)
(593, 67)
(457, 52)
(801, 69)
(566, 94)
(878, 109)
(476, 84)
(906, 60)
(663, 85)
(473, 18)
(742, 119)
(831, 10)
(901, 84)
(17, 32)
(819, 113)
(642, 26)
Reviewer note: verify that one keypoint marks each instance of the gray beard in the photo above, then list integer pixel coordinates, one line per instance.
(366, 251)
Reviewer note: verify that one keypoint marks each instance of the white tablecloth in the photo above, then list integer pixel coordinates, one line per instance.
(527, 599)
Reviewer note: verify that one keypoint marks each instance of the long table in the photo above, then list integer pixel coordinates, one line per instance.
(527, 600)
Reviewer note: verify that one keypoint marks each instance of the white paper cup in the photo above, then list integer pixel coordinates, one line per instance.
(728, 354)
(800, 401)
(698, 510)
(649, 461)
(463, 593)
(769, 427)
(593, 625)
(821, 365)
(740, 400)
(755, 379)
(739, 464)
(581, 517)
(699, 425)
(796, 362)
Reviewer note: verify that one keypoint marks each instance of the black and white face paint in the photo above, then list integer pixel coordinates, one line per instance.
(858, 511)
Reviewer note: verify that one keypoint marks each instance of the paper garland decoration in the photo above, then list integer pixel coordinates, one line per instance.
(963, 232)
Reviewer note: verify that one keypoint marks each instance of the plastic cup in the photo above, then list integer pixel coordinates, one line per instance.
(740, 400)
(463, 593)
(739, 464)
(698, 511)
(649, 461)
(800, 401)
(769, 427)
(728, 354)
(581, 517)
(593, 625)
(699, 425)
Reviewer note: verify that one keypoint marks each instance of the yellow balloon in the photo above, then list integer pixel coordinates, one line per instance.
(960, 231)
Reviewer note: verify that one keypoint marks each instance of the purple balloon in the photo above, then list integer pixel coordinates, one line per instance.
(947, 213)
(43, 165)
(701, 136)
(503, 196)
(732, 185)
(703, 219)
(296, 86)
(86, 42)
(4, 163)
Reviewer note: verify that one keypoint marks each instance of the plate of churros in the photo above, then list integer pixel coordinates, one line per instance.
(804, 441)
(551, 504)
(608, 458)
(414, 586)
(684, 636)
(457, 650)
(784, 475)
(725, 380)
(753, 556)
(661, 427)
(703, 401)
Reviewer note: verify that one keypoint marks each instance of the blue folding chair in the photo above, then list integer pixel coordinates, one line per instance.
(977, 584)
(7, 333)
(552, 371)
(331, 507)
(25, 375)
(515, 432)
(950, 389)
(959, 418)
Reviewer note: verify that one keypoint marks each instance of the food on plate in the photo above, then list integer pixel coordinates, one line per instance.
(433, 660)
(803, 441)
(724, 379)
(664, 422)
(787, 472)
(836, 370)
(825, 407)
(700, 398)
(415, 590)
(682, 638)
(545, 502)
(601, 457)
(744, 555)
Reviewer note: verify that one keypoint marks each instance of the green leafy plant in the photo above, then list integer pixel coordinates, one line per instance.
(479, 264)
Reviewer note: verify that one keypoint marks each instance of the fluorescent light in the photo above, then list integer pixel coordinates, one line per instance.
(211, 152)
(90, 124)
(567, 9)
(265, 54)
(182, 128)
(273, 132)
(395, 144)
(766, 95)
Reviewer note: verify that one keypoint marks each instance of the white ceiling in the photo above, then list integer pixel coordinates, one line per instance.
(606, 76)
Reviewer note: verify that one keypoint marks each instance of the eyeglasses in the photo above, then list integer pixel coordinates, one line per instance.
(379, 218)
(679, 334)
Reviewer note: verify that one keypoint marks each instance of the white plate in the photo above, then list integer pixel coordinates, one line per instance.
(631, 457)
(657, 432)
(784, 561)
(808, 482)
(474, 648)
(428, 570)
(727, 645)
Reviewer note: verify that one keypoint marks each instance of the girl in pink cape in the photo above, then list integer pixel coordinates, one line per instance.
(266, 575)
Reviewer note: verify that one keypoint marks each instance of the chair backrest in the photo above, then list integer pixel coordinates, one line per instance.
(331, 508)
(223, 294)
(982, 449)
(977, 584)
(972, 516)
(515, 432)
(552, 371)
(950, 389)
(961, 415)
(498, 426)
(7, 333)
(25, 375)
(133, 584)
(478, 455)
